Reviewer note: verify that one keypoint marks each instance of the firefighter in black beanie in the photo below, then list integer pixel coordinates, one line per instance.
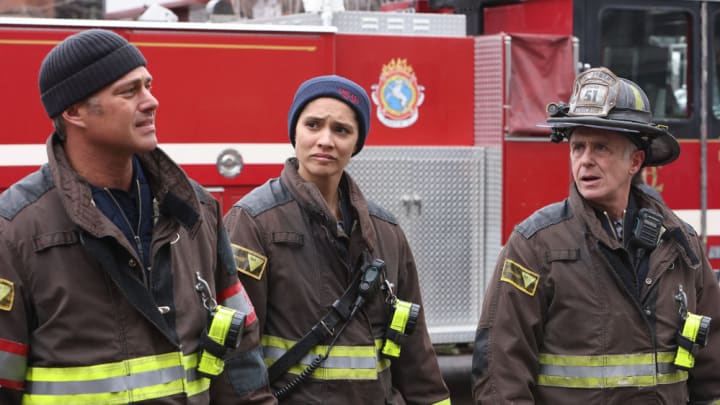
(113, 264)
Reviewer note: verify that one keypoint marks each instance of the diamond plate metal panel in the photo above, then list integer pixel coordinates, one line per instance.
(489, 89)
(441, 197)
(493, 209)
(371, 172)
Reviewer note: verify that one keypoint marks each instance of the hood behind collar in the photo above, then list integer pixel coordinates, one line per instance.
(308, 196)
(166, 179)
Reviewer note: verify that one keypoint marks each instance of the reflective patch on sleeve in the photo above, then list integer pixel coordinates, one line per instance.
(522, 278)
(7, 294)
(236, 297)
(13, 364)
(249, 262)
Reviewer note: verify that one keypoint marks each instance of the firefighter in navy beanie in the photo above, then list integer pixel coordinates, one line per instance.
(336, 87)
(104, 248)
(303, 240)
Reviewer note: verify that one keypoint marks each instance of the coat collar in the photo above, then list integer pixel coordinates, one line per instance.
(171, 189)
(309, 198)
(675, 230)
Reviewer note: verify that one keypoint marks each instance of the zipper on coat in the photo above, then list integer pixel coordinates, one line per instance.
(136, 232)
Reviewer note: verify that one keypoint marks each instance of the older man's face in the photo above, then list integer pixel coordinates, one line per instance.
(603, 164)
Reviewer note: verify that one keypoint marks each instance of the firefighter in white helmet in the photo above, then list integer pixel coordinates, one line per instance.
(605, 297)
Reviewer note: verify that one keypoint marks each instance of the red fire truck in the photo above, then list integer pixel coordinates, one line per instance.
(454, 150)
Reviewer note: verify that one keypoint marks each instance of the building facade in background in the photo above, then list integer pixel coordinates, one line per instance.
(93, 9)
(186, 10)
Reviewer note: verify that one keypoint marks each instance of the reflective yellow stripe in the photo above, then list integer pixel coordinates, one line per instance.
(443, 402)
(639, 104)
(619, 370)
(121, 368)
(343, 363)
(121, 382)
(606, 382)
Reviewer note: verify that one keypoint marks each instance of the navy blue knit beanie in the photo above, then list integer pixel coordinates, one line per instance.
(81, 65)
(337, 87)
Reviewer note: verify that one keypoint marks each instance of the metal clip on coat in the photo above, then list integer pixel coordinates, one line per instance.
(225, 332)
(402, 324)
(692, 336)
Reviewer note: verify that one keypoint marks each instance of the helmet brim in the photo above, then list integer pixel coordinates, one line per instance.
(663, 148)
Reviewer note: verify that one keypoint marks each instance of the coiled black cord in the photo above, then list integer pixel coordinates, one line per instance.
(297, 380)
(317, 361)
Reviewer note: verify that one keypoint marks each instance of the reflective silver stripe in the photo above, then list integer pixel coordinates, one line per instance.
(343, 363)
(331, 362)
(12, 366)
(137, 379)
(113, 384)
(616, 370)
(606, 371)
(239, 301)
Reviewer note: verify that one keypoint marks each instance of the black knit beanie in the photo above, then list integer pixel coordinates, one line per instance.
(337, 87)
(83, 64)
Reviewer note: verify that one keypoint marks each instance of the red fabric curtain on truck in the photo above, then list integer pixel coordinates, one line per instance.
(542, 71)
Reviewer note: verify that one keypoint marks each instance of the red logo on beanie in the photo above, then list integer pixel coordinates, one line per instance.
(349, 96)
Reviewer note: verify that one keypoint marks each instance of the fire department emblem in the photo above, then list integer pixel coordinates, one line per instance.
(7, 294)
(519, 276)
(249, 262)
(397, 94)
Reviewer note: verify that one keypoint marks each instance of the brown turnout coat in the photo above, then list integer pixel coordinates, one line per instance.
(308, 264)
(557, 293)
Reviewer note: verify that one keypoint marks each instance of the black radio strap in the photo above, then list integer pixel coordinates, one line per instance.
(339, 312)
